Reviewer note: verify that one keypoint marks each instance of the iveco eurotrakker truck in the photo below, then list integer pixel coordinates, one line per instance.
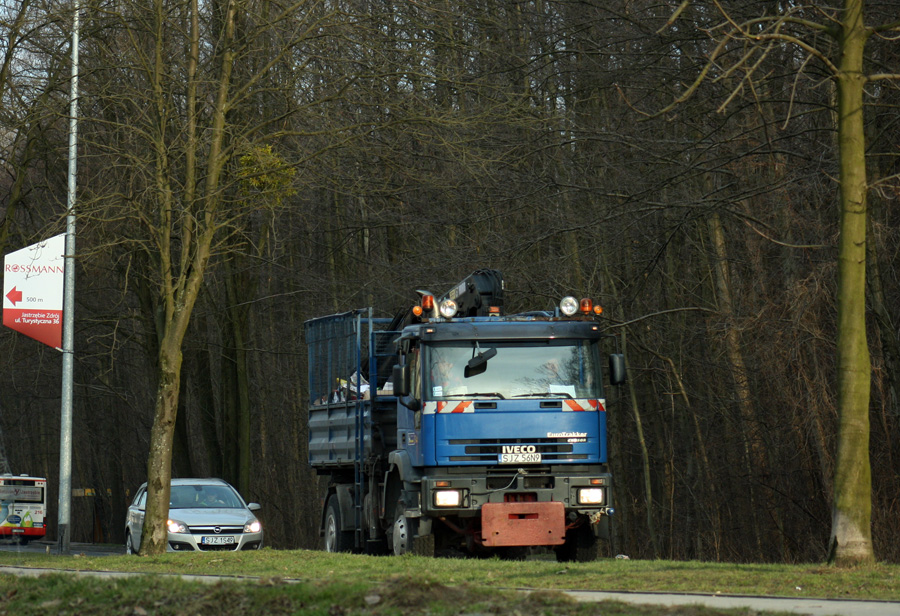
(454, 426)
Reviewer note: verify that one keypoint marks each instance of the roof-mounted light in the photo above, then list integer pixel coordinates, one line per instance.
(448, 308)
(428, 302)
(586, 305)
(568, 306)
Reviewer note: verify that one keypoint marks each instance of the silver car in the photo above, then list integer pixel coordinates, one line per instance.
(204, 514)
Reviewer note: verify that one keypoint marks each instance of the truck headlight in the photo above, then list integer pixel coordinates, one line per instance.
(590, 496)
(447, 498)
(176, 527)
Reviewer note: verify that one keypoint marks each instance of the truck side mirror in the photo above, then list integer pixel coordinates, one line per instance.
(401, 380)
(401, 388)
(617, 368)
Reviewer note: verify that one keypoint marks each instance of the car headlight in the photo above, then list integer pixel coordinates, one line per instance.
(590, 496)
(252, 527)
(569, 305)
(447, 498)
(175, 526)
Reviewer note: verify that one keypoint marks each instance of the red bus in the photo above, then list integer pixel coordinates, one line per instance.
(23, 503)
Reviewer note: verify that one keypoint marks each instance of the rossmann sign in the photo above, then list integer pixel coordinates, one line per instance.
(33, 280)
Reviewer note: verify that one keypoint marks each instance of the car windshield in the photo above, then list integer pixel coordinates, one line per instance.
(522, 369)
(200, 496)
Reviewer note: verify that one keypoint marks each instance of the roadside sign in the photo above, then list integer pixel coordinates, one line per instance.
(33, 280)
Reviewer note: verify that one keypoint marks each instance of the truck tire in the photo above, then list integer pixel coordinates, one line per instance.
(581, 546)
(403, 537)
(336, 540)
(402, 533)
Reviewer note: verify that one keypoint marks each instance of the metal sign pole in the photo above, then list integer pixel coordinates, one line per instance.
(65, 438)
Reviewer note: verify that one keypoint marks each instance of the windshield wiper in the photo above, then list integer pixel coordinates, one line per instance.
(490, 393)
(545, 394)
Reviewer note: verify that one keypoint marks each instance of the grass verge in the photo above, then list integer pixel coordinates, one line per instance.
(156, 595)
(880, 581)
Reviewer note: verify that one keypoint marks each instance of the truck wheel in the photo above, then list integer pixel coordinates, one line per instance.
(336, 540)
(402, 537)
(402, 533)
(581, 546)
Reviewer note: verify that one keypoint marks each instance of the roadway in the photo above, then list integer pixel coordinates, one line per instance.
(50, 547)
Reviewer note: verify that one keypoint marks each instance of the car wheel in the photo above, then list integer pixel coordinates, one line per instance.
(336, 540)
(129, 545)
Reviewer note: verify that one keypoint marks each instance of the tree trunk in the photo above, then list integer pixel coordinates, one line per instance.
(237, 326)
(851, 523)
(886, 329)
(645, 458)
(754, 453)
(182, 279)
(159, 463)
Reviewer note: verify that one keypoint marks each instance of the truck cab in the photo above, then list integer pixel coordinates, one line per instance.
(502, 423)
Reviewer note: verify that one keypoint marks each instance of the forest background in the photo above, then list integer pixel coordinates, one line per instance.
(343, 153)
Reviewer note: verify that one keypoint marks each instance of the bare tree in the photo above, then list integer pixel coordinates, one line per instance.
(184, 203)
(742, 44)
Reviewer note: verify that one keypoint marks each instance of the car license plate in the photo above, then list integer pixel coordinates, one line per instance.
(222, 540)
(520, 458)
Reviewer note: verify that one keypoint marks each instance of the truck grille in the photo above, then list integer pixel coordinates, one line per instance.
(487, 450)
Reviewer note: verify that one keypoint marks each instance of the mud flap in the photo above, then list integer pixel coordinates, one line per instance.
(521, 524)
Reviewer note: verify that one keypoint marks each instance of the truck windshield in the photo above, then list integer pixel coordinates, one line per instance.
(520, 369)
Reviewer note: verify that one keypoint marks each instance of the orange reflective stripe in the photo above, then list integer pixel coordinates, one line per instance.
(573, 405)
(462, 406)
(443, 406)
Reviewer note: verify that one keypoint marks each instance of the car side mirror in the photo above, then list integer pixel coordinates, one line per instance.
(254, 506)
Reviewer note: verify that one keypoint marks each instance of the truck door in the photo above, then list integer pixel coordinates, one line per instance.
(409, 422)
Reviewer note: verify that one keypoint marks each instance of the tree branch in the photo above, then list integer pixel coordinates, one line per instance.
(880, 76)
(661, 312)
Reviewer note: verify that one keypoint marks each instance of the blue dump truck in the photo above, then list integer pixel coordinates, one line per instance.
(456, 427)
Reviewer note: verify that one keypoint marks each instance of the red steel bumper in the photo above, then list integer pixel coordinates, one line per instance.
(520, 524)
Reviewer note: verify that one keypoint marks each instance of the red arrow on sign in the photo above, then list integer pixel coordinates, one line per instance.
(14, 296)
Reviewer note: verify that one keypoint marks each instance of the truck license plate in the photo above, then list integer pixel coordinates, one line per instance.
(223, 540)
(520, 458)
